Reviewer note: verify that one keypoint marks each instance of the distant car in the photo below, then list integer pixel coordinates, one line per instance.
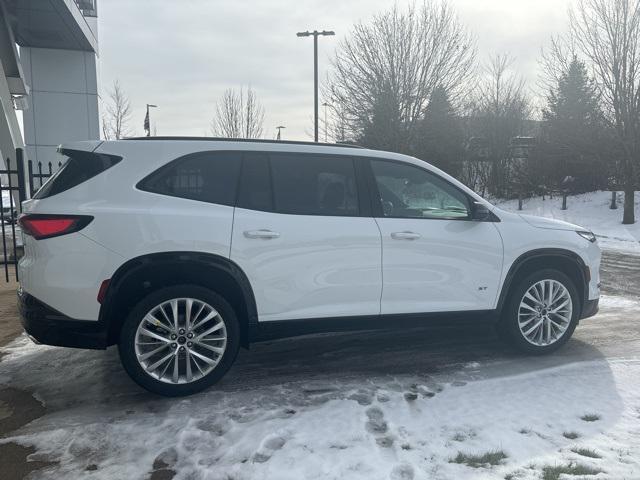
(8, 209)
(8, 229)
(182, 250)
(6, 243)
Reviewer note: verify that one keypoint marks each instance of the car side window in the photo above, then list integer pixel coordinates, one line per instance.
(208, 177)
(308, 184)
(255, 183)
(407, 191)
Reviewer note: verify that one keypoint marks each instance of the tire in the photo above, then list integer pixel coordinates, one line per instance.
(515, 314)
(194, 374)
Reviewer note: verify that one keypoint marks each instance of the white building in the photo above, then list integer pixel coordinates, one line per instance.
(48, 57)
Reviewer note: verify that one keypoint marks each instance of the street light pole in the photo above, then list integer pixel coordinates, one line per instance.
(315, 35)
(147, 123)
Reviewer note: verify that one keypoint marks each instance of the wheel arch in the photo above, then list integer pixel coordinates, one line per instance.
(140, 276)
(565, 261)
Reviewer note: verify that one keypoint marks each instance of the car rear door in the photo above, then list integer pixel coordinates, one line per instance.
(435, 257)
(304, 235)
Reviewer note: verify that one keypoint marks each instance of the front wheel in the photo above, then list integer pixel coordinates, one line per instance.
(541, 312)
(179, 340)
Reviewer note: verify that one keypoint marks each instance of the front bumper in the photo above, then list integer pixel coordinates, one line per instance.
(46, 325)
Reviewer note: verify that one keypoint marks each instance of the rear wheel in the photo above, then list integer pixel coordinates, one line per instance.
(179, 340)
(541, 312)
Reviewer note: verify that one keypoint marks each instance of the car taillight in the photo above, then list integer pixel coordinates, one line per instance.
(41, 226)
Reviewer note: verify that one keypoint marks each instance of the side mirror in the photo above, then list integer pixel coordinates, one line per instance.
(480, 212)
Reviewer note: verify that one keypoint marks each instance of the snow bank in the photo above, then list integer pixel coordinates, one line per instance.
(589, 210)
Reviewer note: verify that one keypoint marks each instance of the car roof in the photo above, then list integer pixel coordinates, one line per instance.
(245, 140)
(194, 144)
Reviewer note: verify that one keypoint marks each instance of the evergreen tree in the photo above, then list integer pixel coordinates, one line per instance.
(440, 137)
(574, 130)
(573, 112)
(383, 129)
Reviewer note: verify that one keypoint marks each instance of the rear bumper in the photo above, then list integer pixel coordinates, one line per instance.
(590, 308)
(46, 325)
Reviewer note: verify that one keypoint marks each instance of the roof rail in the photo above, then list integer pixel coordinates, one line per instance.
(248, 140)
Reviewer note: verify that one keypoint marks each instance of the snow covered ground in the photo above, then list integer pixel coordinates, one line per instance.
(589, 210)
(514, 418)
(369, 405)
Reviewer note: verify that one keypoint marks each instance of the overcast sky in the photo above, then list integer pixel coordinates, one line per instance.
(181, 55)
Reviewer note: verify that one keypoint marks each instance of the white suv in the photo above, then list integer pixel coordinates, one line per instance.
(181, 250)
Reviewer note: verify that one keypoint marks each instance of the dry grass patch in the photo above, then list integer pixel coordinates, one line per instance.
(553, 472)
(590, 417)
(492, 458)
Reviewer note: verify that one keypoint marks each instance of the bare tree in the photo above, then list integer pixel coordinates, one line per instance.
(500, 112)
(607, 33)
(389, 67)
(333, 121)
(555, 60)
(239, 114)
(117, 115)
(336, 124)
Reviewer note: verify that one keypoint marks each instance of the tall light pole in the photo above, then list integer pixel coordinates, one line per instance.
(147, 123)
(279, 128)
(315, 35)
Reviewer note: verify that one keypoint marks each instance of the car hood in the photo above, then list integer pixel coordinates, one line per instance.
(550, 223)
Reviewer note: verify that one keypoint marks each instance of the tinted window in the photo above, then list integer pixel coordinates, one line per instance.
(255, 183)
(314, 184)
(410, 192)
(77, 167)
(208, 177)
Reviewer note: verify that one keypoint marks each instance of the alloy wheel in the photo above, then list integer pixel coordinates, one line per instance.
(180, 340)
(545, 312)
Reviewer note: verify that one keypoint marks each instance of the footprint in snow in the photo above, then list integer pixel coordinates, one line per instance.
(384, 398)
(385, 442)
(424, 391)
(212, 425)
(376, 423)
(270, 445)
(404, 471)
(363, 397)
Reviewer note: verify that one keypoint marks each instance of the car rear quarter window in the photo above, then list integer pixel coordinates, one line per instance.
(308, 184)
(77, 167)
(207, 177)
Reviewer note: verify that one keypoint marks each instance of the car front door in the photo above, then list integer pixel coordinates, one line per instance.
(435, 257)
(304, 235)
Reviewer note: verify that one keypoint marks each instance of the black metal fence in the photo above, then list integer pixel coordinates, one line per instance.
(39, 173)
(12, 193)
(14, 185)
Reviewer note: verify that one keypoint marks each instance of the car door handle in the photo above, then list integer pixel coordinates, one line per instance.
(266, 234)
(405, 235)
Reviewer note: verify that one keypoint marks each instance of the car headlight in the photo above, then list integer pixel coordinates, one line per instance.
(587, 235)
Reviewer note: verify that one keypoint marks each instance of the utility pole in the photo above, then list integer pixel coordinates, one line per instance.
(279, 128)
(315, 35)
(147, 123)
